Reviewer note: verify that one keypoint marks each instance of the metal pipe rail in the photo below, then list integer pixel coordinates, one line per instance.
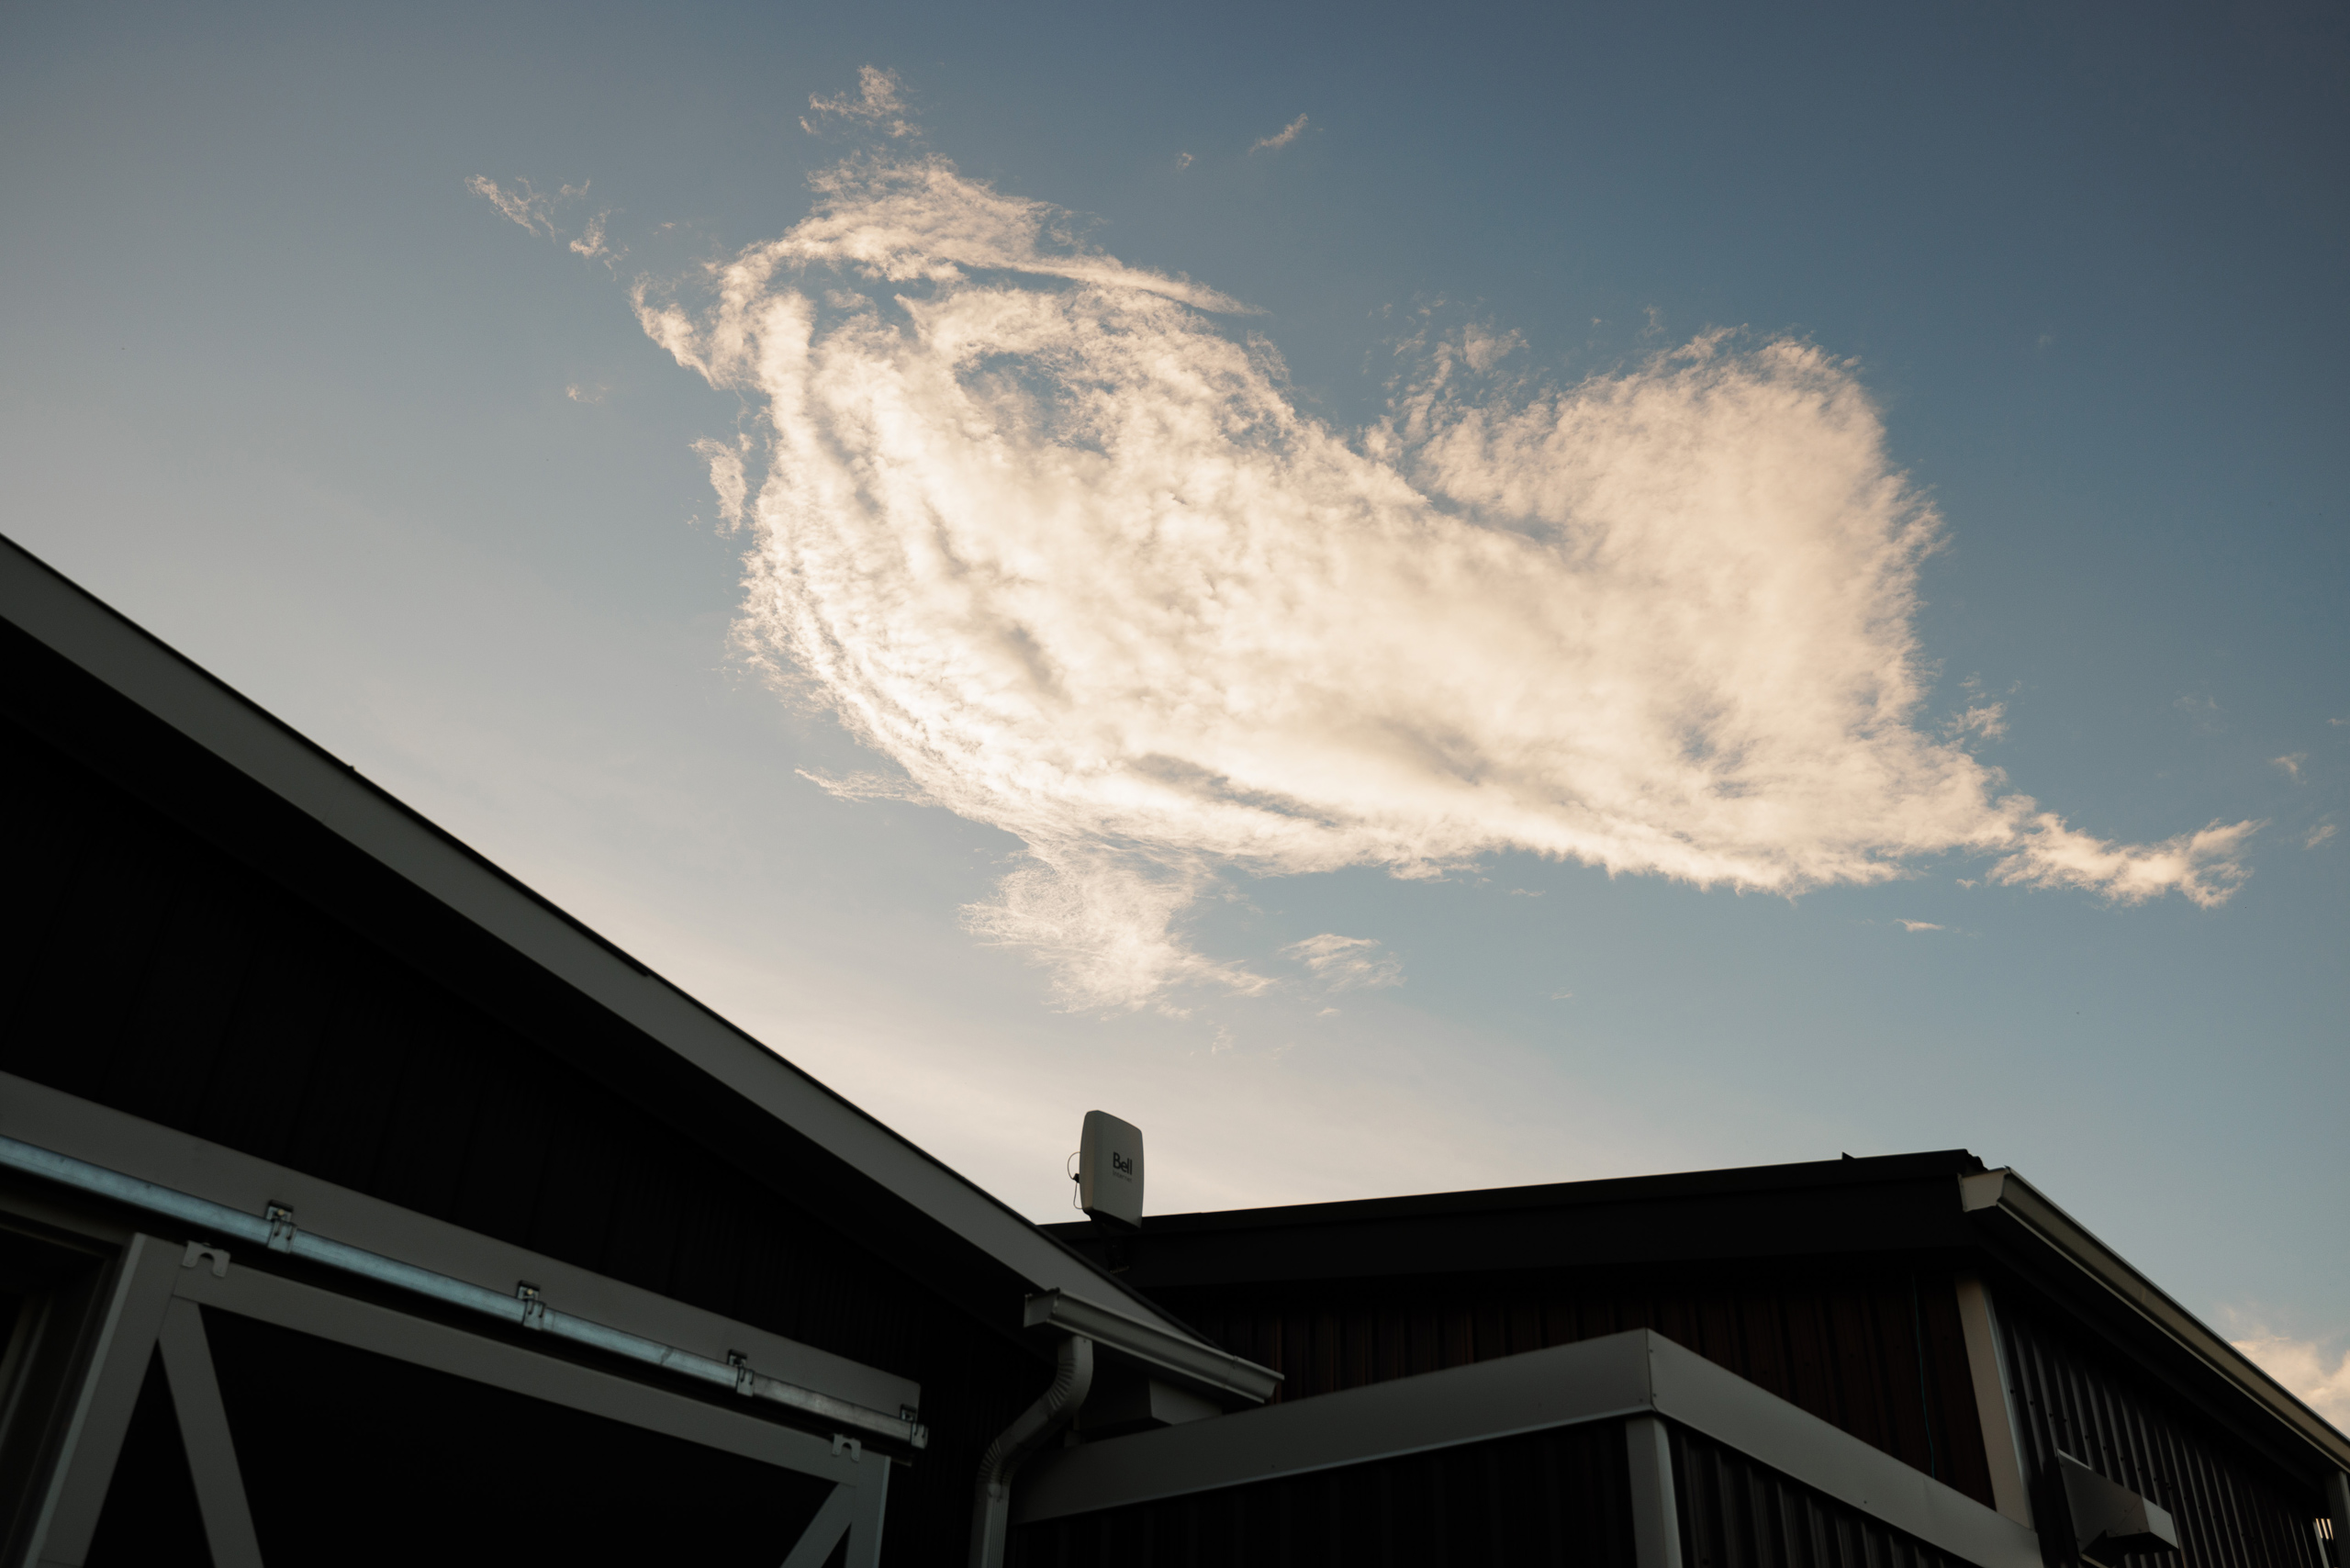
(277, 1231)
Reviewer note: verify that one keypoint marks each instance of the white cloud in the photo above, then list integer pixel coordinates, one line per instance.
(2317, 1376)
(726, 477)
(1281, 138)
(1344, 962)
(2317, 836)
(2291, 765)
(1915, 925)
(879, 103)
(1182, 160)
(1987, 720)
(534, 210)
(1068, 554)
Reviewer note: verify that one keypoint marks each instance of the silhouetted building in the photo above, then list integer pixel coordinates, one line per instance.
(357, 1204)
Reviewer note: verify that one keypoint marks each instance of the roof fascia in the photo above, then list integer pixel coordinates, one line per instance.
(115, 651)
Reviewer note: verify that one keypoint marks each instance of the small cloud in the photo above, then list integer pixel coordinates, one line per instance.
(1563, 996)
(580, 392)
(1327, 1013)
(1483, 349)
(2317, 836)
(1920, 925)
(1525, 892)
(2291, 765)
(1345, 962)
(2201, 709)
(733, 487)
(2338, 721)
(590, 242)
(1281, 138)
(2045, 341)
(1656, 320)
(1988, 721)
(1182, 160)
(879, 103)
(534, 210)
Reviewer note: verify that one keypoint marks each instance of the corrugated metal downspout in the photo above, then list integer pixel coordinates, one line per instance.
(992, 1501)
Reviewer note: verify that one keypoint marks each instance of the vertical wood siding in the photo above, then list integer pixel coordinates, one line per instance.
(1736, 1513)
(1555, 1500)
(2233, 1509)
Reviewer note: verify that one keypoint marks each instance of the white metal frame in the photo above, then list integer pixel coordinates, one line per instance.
(159, 1295)
(47, 1118)
(1639, 1377)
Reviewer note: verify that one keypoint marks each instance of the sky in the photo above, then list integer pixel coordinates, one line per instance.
(1408, 598)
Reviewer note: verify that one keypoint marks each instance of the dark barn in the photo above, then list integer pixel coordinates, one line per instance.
(358, 1206)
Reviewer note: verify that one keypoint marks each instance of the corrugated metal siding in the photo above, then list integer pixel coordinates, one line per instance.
(1736, 1513)
(2234, 1510)
(1561, 1498)
(145, 969)
(1880, 1355)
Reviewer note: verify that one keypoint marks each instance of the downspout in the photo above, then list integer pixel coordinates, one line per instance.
(992, 1501)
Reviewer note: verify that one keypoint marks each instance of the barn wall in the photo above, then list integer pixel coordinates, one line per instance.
(2233, 1508)
(146, 969)
(1555, 1500)
(1737, 1513)
(1881, 1355)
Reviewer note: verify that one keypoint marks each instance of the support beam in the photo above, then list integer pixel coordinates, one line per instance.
(68, 1513)
(852, 1509)
(1656, 1514)
(204, 1431)
(1986, 1362)
(2337, 1504)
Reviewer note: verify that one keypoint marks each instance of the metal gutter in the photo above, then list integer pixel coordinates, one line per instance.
(2010, 1197)
(1209, 1370)
(276, 1231)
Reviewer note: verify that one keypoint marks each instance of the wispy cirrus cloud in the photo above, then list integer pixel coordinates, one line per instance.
(1342, 963)
(1062, 546)
(1281, 138)
(534, 210)
(879, 105)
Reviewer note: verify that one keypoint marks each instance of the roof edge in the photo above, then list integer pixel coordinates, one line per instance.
(1874, 1169)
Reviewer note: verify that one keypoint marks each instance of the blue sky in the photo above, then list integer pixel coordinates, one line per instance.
(1519, 567)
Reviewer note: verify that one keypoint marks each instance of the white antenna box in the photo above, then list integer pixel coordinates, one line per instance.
(1109, 1171)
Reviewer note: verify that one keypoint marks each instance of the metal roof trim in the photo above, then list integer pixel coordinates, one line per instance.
(2004, 1193)
(1660, 1187)
(1212, 1371)
(78, 626)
